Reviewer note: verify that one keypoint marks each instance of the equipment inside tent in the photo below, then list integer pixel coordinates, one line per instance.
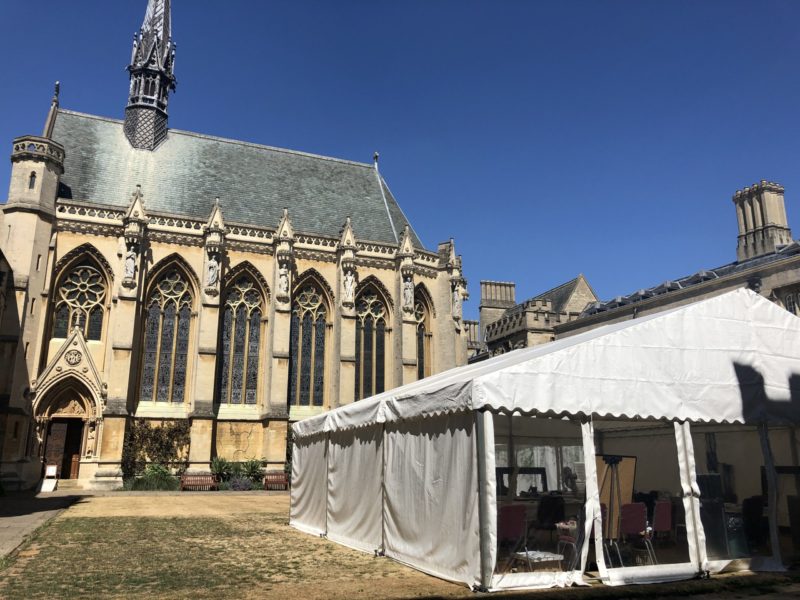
(645, 451)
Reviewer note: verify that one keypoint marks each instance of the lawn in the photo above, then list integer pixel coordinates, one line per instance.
(230, 545)
(198, 546)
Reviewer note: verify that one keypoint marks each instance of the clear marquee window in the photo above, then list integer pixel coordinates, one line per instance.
(168, 316)
(240, 340)
(80, 302)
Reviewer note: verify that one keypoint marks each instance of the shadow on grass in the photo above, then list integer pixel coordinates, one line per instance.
(26, 503)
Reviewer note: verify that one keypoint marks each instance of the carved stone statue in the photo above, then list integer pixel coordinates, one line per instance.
(349, 285)
(283, 280)
(212, 271)
(408, 292)
(90, 437)
(130, 263)
(457, 301)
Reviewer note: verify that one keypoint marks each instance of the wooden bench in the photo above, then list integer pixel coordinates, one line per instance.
(276, 480)
(198, 482)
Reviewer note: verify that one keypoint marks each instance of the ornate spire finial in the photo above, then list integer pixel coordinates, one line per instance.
(152, 78)
(375, 158)
(50, 121)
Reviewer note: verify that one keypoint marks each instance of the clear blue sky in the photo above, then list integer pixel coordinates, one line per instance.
(547, 138)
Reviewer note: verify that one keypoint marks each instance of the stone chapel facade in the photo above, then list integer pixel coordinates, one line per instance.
(161, 274)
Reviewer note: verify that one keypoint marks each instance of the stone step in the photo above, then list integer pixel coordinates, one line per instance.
(69, 484)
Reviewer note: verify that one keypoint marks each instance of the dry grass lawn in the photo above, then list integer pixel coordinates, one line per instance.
(215, 545)
(224, 545)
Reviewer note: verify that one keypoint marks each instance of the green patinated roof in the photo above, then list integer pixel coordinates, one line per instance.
(254, 183)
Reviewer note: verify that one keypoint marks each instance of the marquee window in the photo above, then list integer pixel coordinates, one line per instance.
(80, 302)
(167, 324)
(370, 344)
(307, 348)
(424, 335)
(240, 341)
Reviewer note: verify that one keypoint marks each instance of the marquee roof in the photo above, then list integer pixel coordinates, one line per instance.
(731, 358)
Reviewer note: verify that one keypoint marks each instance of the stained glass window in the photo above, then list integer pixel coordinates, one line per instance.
(370, 343)
(240, 337)
(166, 339)
(307, 348)
(81, 293)
(422, 316)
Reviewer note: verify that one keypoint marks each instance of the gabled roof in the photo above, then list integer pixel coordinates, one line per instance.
(254, 183)
(560, 295)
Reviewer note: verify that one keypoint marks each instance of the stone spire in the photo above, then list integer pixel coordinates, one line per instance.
(152, 78)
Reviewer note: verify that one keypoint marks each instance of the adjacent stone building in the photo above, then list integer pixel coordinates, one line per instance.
(768, 261)
(161, 274)
(505, 325)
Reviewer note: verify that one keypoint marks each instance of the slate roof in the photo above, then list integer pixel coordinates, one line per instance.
(690, 280)
(254, 183)
(559, 295)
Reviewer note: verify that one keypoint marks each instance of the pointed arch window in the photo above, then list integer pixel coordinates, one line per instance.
(424, 335)
(370, 344)
(240, 343)
(32, 180)
(80, 302)
(167, 325)
(307, 347)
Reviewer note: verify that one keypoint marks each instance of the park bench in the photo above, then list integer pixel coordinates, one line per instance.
(198, 482)
(276, 480)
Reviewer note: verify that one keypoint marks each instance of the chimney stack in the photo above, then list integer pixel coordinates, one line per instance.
(761, 213)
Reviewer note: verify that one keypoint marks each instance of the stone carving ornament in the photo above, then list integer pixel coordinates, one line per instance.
(408, 293)
(212, 271)
(73, 357)
(130, 263)
(283, 280)
(349, 286)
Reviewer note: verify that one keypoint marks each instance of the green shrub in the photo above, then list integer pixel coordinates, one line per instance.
(155, 477)
(221, 469)
(251, 469)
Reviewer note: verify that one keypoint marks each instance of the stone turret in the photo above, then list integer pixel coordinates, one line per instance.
(761, 213)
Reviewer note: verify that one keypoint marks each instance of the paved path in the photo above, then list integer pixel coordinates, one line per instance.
(22, 513)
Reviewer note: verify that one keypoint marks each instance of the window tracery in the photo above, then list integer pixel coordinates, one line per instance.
(80, 302)
(307, 347)
(166, 339)
(240, 338)
(424, 335)
(370, 344)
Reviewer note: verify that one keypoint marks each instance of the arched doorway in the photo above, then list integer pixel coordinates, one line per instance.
(66, 428)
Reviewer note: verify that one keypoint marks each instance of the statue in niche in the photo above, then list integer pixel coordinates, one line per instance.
(130, 263)
(90, 437)
(283, 280)
(457, 301)
(212, 271)
(408, 292)
(349, 285)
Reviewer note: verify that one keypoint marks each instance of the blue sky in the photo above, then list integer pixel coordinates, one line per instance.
(548, 138)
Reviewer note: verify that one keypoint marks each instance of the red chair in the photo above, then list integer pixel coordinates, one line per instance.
(512, 526)
(633, 526)
(662, 518)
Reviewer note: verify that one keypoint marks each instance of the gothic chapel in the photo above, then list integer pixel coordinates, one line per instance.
(166, 275)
